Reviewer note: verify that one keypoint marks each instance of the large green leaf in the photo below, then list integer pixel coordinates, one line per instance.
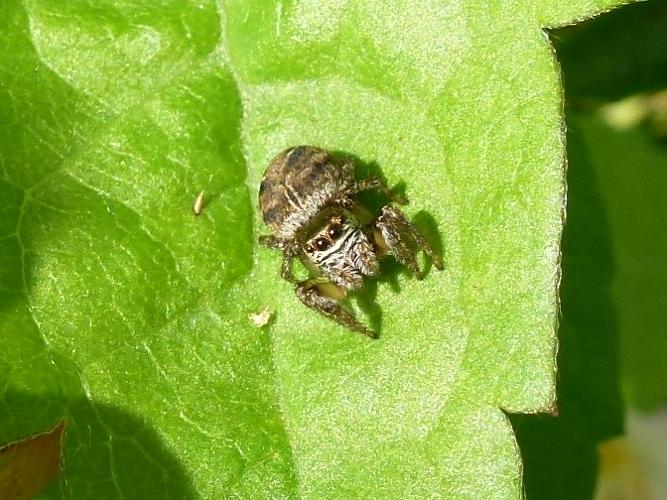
(127, 315)
(561, 453)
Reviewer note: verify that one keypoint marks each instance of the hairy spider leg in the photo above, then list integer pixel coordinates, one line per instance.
(371, 183)
(403, 240)
(311, 295)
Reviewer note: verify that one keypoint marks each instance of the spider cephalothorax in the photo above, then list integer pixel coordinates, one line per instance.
(306, 198)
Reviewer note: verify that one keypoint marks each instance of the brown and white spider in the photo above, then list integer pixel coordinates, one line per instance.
(307, 200)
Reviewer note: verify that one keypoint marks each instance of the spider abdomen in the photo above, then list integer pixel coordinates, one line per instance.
(298, 183)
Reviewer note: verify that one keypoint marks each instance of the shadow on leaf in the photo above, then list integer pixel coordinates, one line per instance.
(107, 452)
(389, 268)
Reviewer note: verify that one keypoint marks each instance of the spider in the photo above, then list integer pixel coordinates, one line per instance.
(307, 199)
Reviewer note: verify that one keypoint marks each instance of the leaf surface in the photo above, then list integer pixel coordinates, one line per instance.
(128, 316)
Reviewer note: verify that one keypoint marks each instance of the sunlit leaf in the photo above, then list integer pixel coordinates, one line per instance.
(128, 315)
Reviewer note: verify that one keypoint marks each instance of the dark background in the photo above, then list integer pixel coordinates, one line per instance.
(612, 385)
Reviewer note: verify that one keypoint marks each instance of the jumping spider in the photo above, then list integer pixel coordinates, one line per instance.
(306, 199)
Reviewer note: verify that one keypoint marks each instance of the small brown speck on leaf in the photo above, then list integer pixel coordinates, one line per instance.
(29, 465)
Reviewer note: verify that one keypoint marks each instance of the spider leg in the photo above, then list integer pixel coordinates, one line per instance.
(286, 268)
(312, 296)
(403, 240)
(271, 242)
(289, 252)
(371, 183)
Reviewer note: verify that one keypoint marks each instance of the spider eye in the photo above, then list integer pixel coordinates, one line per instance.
(334, 231)
(321, 244)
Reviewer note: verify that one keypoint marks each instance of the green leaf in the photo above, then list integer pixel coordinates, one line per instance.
(560, 453)
(128, 316)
